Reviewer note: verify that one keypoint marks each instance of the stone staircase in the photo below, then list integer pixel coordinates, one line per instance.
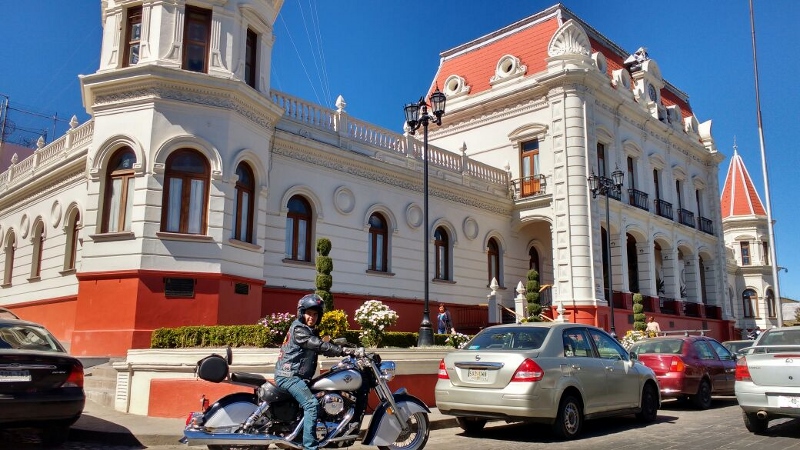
(100, 383)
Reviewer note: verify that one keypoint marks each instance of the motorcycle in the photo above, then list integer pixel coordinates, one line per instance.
(270, 415)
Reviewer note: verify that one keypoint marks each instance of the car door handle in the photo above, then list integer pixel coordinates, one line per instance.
(576, 367)
(609, 369)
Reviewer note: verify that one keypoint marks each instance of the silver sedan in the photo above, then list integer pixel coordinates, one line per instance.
(768, 378)
(555, 373)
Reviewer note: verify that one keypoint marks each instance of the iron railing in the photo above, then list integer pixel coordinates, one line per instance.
(705, 225)
(638, 199)
(529, 186)
(663, 209)
(686, 217)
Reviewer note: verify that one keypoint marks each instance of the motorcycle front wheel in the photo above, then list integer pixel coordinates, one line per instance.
(416, 437)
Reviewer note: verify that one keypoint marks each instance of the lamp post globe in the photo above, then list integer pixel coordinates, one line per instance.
(417, 115)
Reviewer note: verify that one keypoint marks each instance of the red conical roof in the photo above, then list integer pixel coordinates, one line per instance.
(739, 196)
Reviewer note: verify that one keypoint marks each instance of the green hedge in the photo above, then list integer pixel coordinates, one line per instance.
(258, 336)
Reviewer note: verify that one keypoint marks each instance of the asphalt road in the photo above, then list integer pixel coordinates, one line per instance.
(678, 427)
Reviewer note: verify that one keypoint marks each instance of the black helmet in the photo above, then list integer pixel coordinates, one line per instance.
(310, 301)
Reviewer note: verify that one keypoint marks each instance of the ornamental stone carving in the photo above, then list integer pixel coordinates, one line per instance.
(570, 39)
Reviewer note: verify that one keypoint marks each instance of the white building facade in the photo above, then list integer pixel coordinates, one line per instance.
(196, 194)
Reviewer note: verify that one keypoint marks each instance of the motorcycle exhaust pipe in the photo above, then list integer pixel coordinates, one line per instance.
(762, 415)
(202, 438)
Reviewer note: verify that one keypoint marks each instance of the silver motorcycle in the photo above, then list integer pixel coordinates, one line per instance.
(270, 415)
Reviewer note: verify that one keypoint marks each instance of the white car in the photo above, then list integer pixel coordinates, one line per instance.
(768, 378)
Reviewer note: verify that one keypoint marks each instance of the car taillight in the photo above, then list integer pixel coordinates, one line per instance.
(677, 365)
(443, 371)
(742, 371)
(528, 371)
(75, 378)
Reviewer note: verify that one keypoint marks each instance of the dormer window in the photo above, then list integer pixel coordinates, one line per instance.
(133, 37)
(745, 248)
(196, 39)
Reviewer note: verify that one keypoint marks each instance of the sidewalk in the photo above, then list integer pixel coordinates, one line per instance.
(105, 425)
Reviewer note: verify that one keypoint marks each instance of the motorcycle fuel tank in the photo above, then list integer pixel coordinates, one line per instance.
(345, 380)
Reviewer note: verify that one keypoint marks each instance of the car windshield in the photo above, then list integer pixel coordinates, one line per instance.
(736, 346)
(668, 346)
(21, 336)
(508, 338)
(780, 337)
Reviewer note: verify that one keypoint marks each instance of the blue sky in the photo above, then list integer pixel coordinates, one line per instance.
(380, 55)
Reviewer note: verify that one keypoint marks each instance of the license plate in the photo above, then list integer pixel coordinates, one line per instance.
(477, 375)
(788, 402)
(11, 376)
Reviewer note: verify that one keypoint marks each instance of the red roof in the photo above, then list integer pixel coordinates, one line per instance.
(528, 40)
(739, 196)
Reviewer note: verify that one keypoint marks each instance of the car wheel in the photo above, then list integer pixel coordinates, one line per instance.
(54, 435)
(569, 419)
(754, 424)
(702, 400)
(649, 411)
(471, 424)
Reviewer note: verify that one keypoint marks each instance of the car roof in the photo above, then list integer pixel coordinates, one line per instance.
(9, 321)
(556, 325)
(7, 314)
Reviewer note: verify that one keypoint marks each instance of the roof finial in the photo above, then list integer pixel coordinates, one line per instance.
(735, 148)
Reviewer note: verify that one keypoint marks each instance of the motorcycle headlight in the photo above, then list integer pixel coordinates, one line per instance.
(388, 369)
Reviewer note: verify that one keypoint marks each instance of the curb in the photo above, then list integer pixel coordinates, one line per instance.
(127, 438)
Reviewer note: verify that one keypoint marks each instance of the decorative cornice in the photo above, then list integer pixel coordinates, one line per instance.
(185, 94)
(385, 177)
(41, 192)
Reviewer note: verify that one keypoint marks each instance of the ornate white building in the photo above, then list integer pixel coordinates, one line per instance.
(196, 193)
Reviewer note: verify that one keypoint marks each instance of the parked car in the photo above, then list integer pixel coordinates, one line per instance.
(768, 378)
(555, 373)
(41, 386)
(738, 347)
(688, 367)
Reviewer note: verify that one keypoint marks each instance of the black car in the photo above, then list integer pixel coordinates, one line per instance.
(41, 386)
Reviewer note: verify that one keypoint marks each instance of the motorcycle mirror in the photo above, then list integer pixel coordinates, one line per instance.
(229, 355)
(340, 341)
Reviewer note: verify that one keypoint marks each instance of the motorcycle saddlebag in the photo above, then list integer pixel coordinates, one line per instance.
(212, 368)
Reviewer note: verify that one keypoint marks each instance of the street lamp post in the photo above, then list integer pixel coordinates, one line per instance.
(605, 186)
(416, 118)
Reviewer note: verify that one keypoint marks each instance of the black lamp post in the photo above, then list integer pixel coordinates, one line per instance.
(605, 186)
(415, 119)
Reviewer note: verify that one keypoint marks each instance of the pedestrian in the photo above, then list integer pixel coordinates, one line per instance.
(653, 328)
(297, 361)
(445, 321)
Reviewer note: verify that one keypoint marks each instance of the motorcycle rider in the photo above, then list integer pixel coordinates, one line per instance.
(297, 361)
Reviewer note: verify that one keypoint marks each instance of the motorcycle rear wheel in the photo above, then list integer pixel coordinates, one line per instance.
(416, 437)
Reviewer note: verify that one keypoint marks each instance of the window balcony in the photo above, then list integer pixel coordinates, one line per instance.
(686, 217)
(663, 209)
(529, 186)
(638, 199)
(705, 225)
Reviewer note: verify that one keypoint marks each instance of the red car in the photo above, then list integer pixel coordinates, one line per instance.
(693, 367)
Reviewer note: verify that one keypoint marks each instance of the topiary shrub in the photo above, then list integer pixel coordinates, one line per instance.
(638, 313)
(324, 279)
(532, 296)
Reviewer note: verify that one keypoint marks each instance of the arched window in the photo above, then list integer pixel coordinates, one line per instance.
(770, 299)
(119, 192)
(38, 245)
(298, 229)
(533, 261)
(8, 269)
(493, 259)
(71, 250)
(748, 297)
(442, 245)
(244, 206)
(633, 263)
(185, 201)
(378, 245)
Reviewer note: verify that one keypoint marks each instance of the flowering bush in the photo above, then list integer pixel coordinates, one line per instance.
(456, 340)
(278, 325)
(631, 337)
(334, 323)
(374, 317)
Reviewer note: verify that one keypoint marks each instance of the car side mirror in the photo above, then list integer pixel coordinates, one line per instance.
(633, 356)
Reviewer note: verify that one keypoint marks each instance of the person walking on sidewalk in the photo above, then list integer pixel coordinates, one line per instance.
(297, 361)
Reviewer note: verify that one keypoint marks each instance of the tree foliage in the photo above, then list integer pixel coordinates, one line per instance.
(532, 296)
(324, 279)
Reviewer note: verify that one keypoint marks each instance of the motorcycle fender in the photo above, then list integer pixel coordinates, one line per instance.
(230, 411)
(383, 428)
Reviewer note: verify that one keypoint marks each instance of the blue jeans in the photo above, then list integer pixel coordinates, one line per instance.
(300, 391)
